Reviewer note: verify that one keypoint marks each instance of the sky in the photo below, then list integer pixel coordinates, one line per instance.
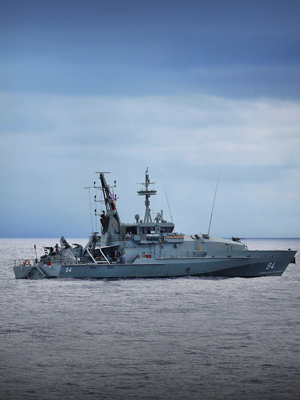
(186, 88)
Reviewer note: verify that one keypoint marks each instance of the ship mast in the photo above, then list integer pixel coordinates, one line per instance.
(147, 193)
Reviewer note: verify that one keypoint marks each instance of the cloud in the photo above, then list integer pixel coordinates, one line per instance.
(225, 49)
(236, 132)
(51, 146)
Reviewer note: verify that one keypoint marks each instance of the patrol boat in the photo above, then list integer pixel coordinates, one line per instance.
(150, 249)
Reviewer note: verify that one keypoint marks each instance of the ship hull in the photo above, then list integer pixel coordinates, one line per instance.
(267, 263)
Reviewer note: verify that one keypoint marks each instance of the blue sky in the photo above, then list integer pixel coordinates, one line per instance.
(182, 87)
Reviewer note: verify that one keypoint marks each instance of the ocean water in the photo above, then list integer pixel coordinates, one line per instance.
(183, 338)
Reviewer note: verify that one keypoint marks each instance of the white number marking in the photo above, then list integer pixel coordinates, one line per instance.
(271, 265)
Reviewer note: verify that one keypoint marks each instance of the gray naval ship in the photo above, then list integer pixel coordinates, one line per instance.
(149, 249)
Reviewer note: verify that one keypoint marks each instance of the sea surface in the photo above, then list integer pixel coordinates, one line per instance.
(183, 338)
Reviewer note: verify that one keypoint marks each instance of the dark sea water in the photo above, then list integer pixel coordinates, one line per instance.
(184, 338)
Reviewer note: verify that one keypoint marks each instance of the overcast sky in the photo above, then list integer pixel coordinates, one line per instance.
(182, 87)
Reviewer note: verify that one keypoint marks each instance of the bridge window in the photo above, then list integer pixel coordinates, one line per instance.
(131, 229)
(147, 229)
(166, 229)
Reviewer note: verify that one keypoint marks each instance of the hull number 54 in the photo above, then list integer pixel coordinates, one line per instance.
(68, 269)
(271, 265)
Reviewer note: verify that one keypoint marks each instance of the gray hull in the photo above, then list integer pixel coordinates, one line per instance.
(259, 263)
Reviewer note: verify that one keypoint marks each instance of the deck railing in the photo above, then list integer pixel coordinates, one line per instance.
(26, 263)
(57, 261)
(69, 261)
(178, 254)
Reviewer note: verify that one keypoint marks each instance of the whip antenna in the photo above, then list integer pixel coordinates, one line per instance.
(166, 198)
(212, 211)
(91, 210)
